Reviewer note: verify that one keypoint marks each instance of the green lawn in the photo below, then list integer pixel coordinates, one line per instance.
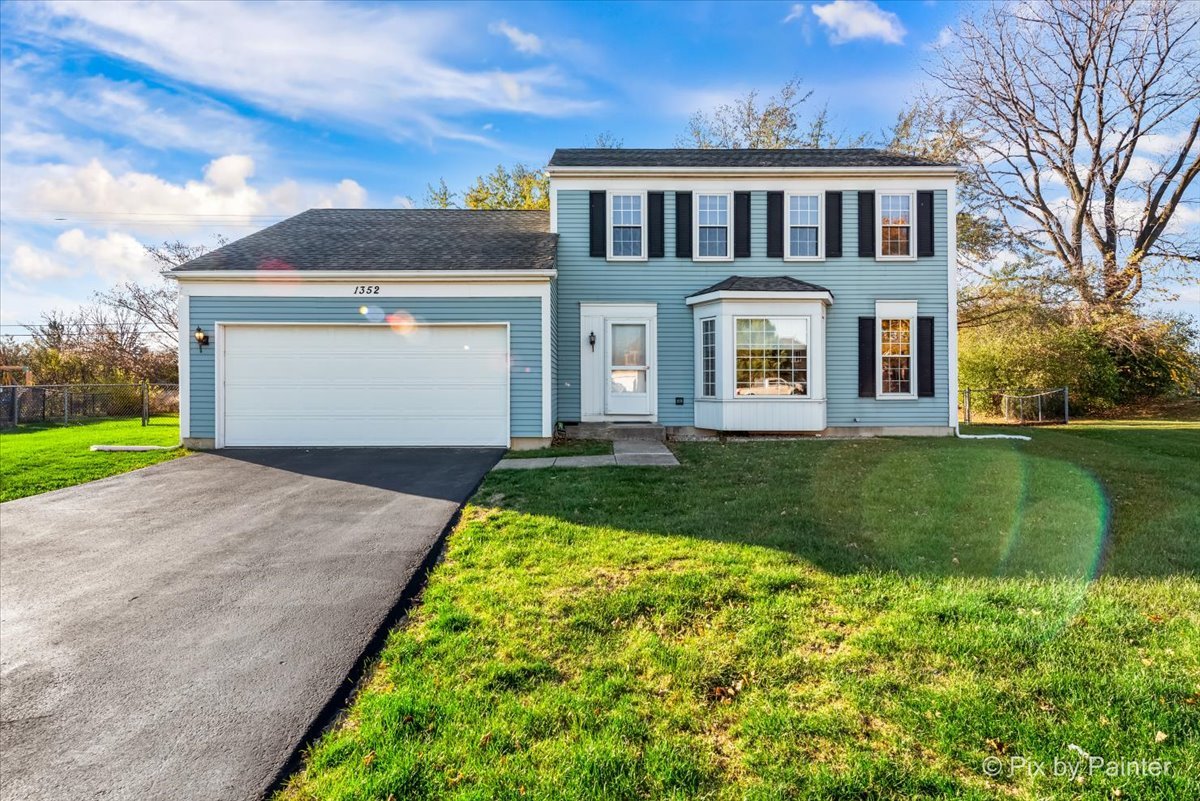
(570, 447)
(813, 619)
(37, 459)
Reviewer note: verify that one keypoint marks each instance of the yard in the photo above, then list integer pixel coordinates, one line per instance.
(36, 459)
(814, 619)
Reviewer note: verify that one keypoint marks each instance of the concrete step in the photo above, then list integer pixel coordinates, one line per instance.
(616, 431)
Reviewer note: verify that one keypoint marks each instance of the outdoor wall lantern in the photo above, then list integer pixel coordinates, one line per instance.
(201, 337)
(592, 340)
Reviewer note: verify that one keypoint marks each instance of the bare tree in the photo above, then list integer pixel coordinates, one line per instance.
(1079, 121)
(607, 140)
(155, 305)
(776, 124)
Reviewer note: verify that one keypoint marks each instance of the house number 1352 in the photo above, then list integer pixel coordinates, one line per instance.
(366, 290)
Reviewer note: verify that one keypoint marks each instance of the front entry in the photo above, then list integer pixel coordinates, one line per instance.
(618, 362)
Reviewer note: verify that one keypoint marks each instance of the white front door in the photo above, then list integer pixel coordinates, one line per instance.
(627, 367)
(617, 360)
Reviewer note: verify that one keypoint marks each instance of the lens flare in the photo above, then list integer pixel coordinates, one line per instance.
(374, 314)
(401, 322)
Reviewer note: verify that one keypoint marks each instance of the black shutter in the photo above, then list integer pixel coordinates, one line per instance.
(833, 225)
(654, 219)
(866, 357)
(597, 207)
(925, 357)
(866, 223)
(774, 225)
(683, 225)
(925, 225)
(741, 225)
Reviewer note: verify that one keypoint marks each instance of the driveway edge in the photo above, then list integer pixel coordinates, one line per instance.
(339, 700)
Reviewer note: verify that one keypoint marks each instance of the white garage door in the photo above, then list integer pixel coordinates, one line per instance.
(365, 385)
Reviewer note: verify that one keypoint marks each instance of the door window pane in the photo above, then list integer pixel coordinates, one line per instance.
(626, 381)
(628, 345)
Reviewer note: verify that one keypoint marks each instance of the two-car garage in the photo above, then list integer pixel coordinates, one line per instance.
(371, 327)
(363, 385)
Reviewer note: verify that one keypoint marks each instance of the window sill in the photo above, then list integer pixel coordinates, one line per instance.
(625, 258)
(895, 258)
(703, 259)
(896, 397)
(804, 258)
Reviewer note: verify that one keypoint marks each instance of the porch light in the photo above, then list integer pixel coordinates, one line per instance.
(201, 337)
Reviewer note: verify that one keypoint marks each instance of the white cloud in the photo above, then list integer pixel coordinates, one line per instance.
(403, 202)
(114, 257)
(113, 213)
(389, 66)
(144, 201)
(944, 38)
(848, 20)
(29, 262)
(523, 41)
(794, 13)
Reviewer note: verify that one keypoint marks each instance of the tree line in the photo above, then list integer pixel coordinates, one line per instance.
(1075, 125)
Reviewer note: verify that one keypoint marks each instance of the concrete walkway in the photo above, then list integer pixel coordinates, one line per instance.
(626, 453)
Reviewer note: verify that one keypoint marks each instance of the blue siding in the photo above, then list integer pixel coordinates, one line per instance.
(525, 341)
(855, 282)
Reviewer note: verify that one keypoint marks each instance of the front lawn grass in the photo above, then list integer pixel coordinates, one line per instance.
(36, 459)
(569, 447)
(811, 619)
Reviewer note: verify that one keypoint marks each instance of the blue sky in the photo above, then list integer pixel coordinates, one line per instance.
(133, 122)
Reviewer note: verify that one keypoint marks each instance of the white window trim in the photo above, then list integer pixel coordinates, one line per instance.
(700, 393)
(734, 397)
(608, 246)
(696, 195)
(912, 225)
(787, 226)
(896, 310)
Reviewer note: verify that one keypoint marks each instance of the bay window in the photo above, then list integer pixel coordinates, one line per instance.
(708, 358)
(770, 356)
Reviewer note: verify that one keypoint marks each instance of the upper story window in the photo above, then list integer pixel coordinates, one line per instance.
(627, 226)
(803, 238)
(713, 226)
(895, 225)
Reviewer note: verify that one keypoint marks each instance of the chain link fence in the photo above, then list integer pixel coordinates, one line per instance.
(77, 403)
(1016, 406)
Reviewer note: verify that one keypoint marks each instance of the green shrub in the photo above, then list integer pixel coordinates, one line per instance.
(1009, 356)
(1122, 361)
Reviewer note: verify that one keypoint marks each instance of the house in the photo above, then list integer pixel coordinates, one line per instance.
(700, 290)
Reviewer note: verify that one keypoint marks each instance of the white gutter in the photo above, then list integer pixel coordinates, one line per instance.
(756, 172)
(358, 276)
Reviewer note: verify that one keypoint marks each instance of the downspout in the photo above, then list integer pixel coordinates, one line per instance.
(961, 435)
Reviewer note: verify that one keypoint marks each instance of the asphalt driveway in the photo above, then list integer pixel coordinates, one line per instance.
(174, 632)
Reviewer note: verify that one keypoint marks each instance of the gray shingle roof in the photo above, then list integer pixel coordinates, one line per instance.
(712, 157)
(392, 239)
(773, 283)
